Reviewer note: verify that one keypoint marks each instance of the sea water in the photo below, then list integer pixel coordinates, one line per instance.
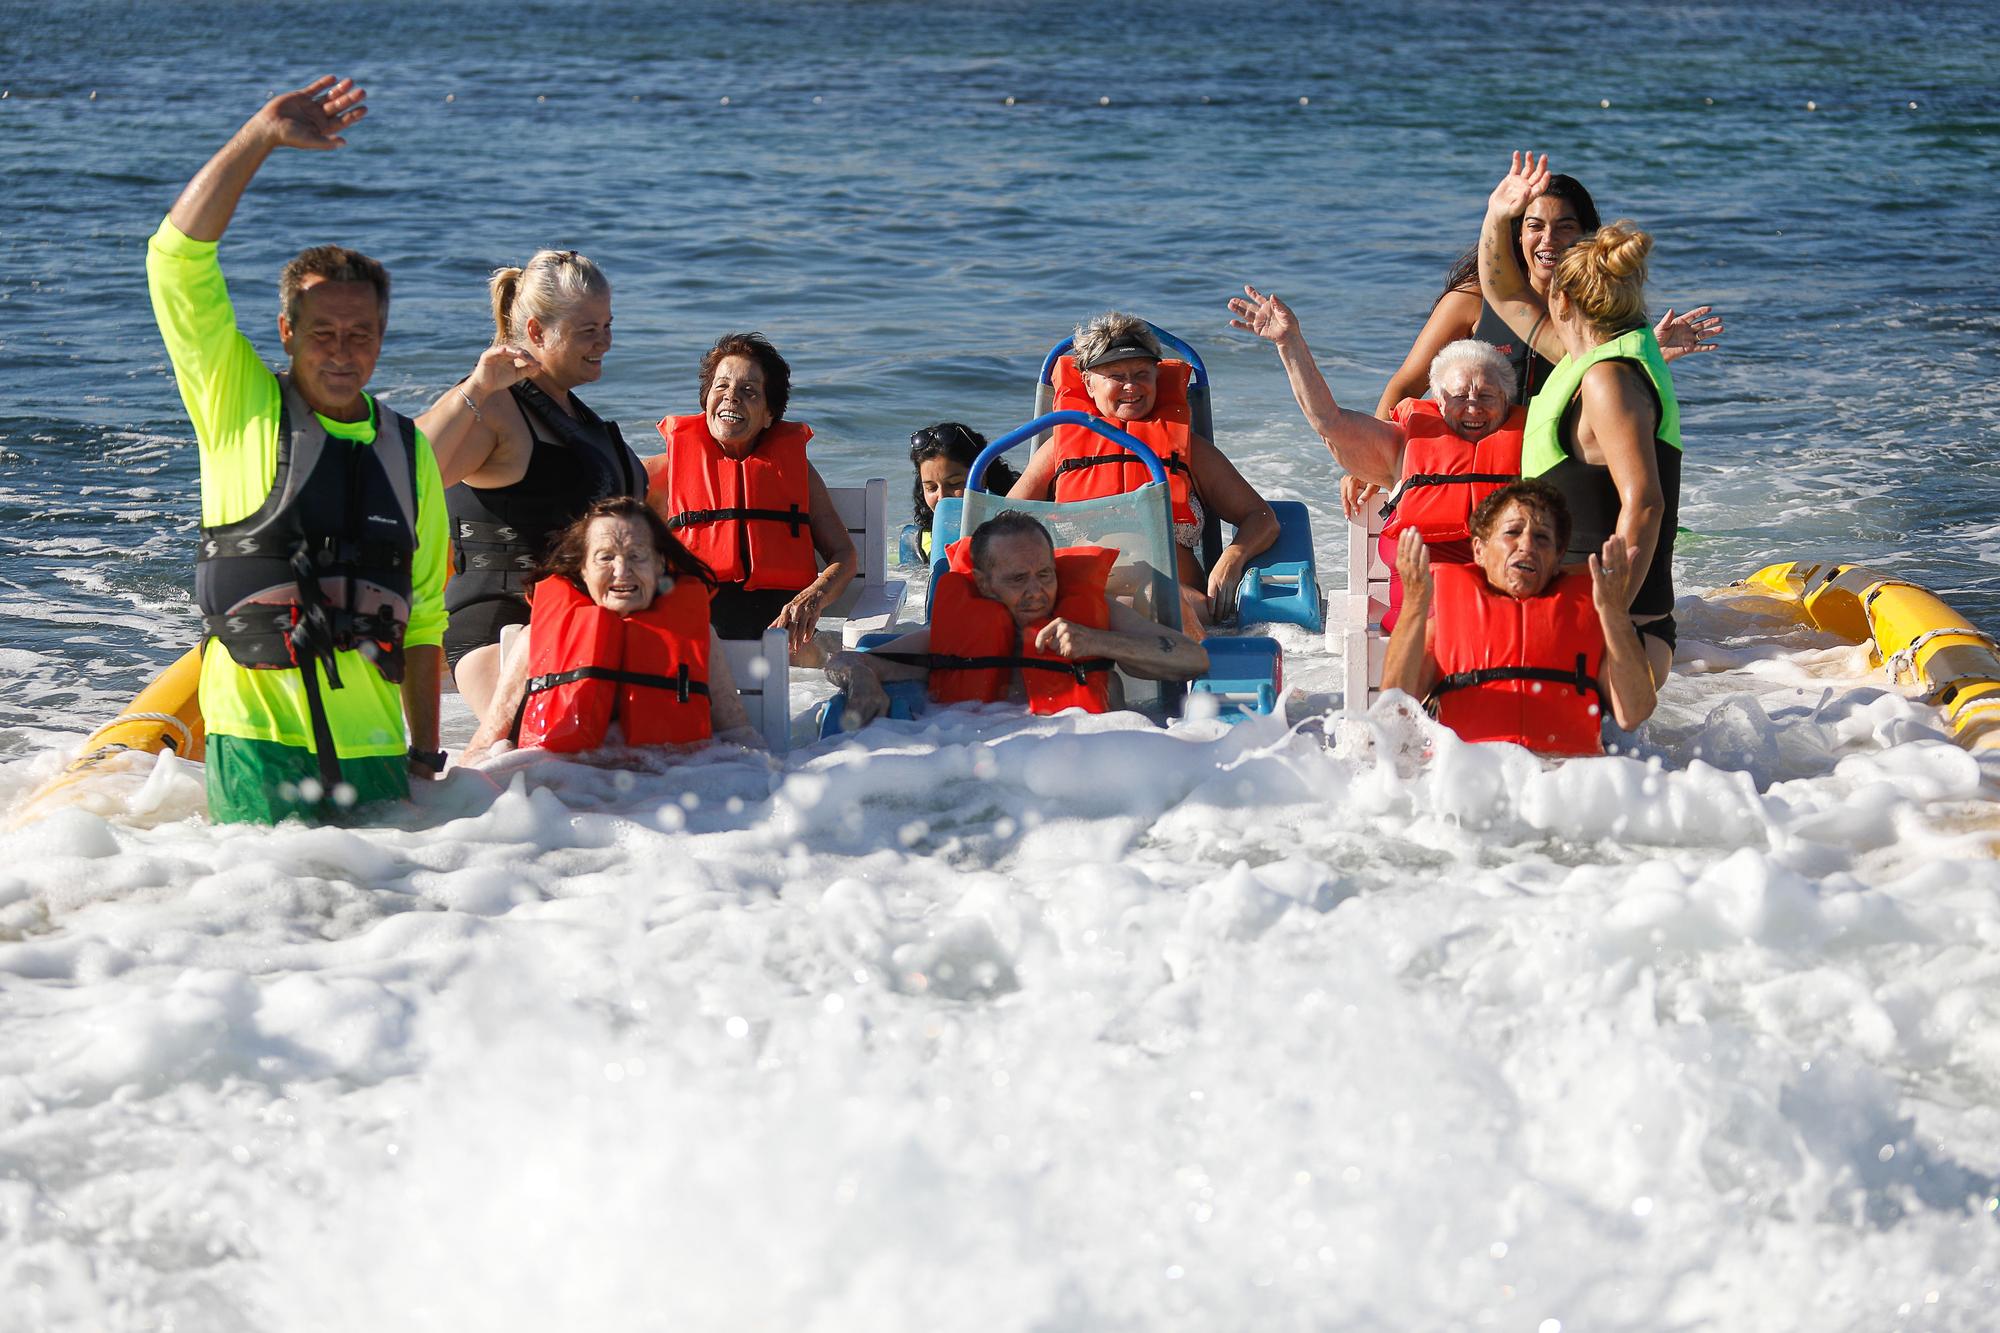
(983, 1022)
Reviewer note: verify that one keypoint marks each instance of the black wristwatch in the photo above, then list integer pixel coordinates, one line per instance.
(431, 759)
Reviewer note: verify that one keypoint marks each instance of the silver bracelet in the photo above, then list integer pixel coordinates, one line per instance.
(476, 413)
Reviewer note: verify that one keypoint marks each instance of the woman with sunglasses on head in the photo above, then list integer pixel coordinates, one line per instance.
(521, 454)
(943, 455)
(1118, 361)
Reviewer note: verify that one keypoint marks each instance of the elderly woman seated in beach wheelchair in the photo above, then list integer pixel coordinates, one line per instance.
(620, 648)
(1115, 370)
(1511, 648)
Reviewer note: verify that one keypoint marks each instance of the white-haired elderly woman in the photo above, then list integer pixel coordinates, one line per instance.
(1117, 359)
(521, 454)
(1442, 454)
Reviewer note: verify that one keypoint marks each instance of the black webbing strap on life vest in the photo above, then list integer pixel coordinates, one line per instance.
(1172, 464)
(1408, 484)
(1079, 668)
(312, 642)
(794, 518)
(679, 683)
(1580, 679)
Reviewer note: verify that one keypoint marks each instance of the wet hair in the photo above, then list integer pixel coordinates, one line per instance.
(566, 552)
(1470, 354)
(330, 263)
(1008, 523)
(1094, 337)
(777, 375)
(1536, 496)
(1604, 274)
(547, 288)
(961, 444)
(1463, 276)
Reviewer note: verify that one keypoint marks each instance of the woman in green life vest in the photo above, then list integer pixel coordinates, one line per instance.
(1605, 428)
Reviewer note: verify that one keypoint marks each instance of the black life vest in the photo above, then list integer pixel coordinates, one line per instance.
(500, 533)
(323, 565)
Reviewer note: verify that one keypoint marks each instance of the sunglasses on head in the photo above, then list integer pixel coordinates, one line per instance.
(942, 437)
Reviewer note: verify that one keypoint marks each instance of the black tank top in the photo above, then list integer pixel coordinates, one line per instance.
(1531, 368)
(499, 533)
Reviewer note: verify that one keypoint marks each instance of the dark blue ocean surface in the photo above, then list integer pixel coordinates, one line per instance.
(916, 200)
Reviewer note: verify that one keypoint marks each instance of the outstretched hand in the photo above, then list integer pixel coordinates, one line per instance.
(1682, 335)
(1524, 183)
(313, 117)
(1609, 570)
(1263, 314)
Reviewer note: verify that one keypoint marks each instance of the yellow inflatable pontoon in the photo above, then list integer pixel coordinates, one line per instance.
(1917, 638)
(166, 715)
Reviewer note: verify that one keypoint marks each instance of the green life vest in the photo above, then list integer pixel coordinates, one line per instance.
(1541, 439)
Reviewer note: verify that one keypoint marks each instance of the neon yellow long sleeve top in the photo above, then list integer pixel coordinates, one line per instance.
(232, 401)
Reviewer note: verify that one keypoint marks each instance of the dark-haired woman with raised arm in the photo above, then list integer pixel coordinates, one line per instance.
(1604, 429)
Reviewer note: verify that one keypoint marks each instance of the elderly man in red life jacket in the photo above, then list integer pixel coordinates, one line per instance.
(1013, 618)
(1512, 647)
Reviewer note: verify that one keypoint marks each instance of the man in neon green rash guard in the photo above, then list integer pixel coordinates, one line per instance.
(321, 576)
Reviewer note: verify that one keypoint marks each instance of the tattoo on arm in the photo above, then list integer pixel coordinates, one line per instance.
(1166, 644)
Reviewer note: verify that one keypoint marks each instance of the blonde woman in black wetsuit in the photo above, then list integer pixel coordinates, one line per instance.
(521, 454)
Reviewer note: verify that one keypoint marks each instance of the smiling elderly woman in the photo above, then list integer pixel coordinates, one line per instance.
(1443, 454)
(736, 486)
(620, 648)
(1119, 361)
(1511, 648)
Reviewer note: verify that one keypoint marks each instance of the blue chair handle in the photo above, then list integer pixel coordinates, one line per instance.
(1049, 421)
(1187, 353)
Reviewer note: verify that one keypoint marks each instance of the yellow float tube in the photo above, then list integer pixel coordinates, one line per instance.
(1917, 638)
(166, 715)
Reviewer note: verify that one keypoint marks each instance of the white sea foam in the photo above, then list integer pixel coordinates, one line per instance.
(1001, 1023)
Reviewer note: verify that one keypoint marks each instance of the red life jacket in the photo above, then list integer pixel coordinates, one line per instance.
(1091, 466)
(1518, 669)
(586, 666)
(748, 519)
(979, 634)
(1444, 478)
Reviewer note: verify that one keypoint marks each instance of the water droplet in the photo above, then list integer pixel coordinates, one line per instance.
(818, 100)
(1604, 103)
(1913, 105)
(1708, 101)
(1305, 101)
(1812, 106)
(1888, 1151)
(1104, 101)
